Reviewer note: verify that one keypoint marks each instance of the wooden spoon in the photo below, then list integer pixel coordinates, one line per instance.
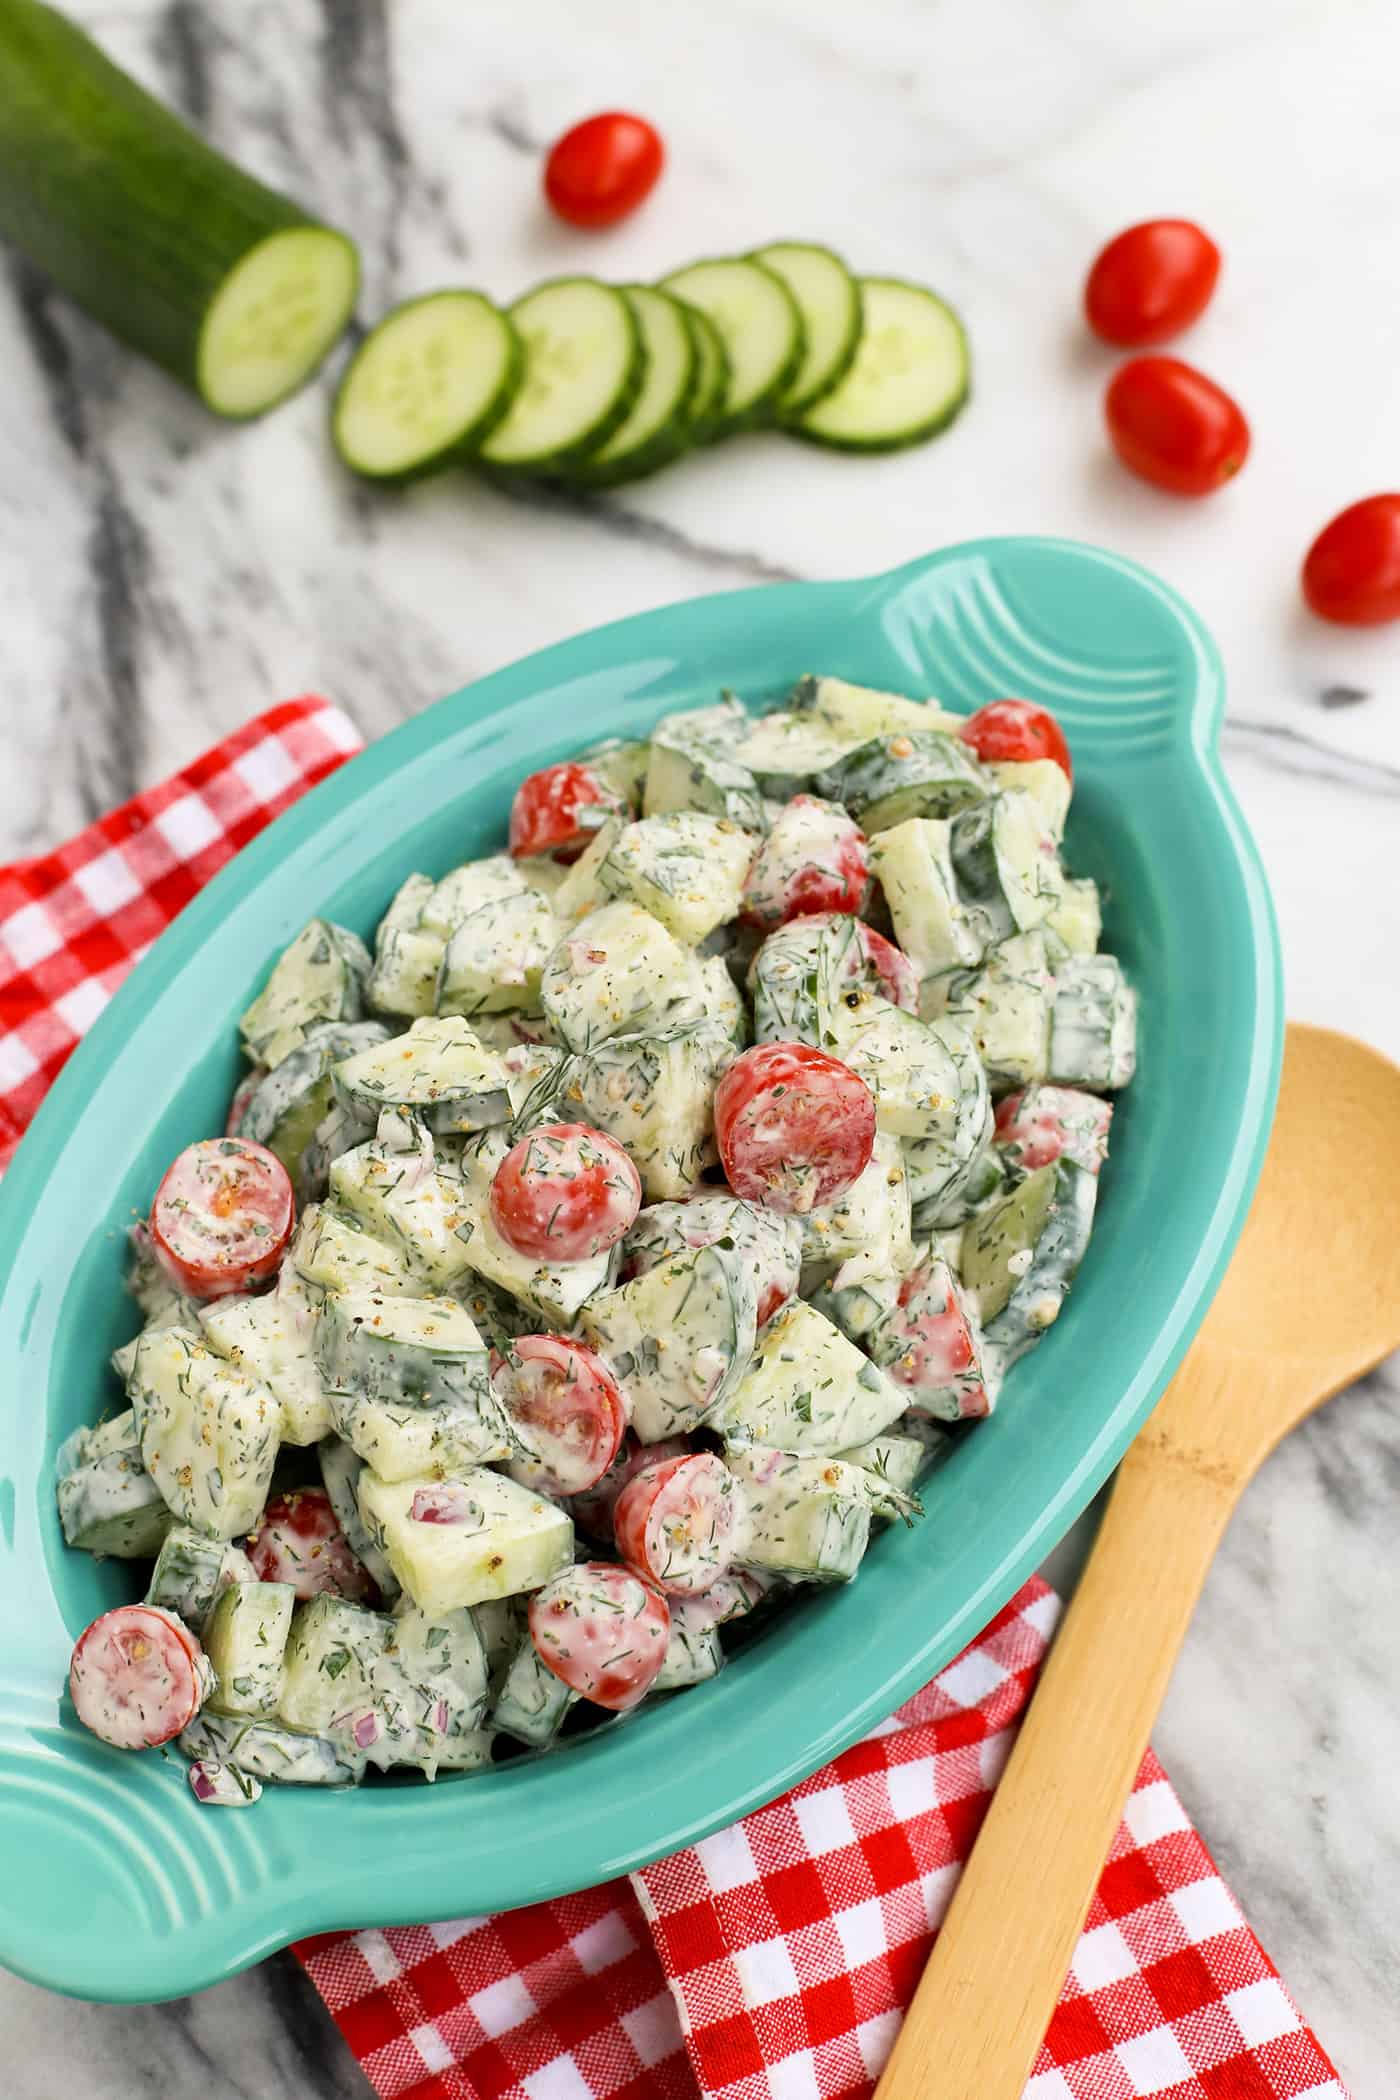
(1309, 1303)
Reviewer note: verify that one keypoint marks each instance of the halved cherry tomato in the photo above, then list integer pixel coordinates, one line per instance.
(1041, 1123)
(222, 1217)
(298, 1539)
(795, 1127)
(1012, 732)
(814, 859)
(1150, 282)
(242, 1095)
(894, 973)
(603, 168)
(681, 1522)
(603, 1629)
(565, 1193)
(594, 1508)
(1352, 570)
(938, 1363)
(566, 1407)
(1175, 427)
(138, 1676)
(558, 810)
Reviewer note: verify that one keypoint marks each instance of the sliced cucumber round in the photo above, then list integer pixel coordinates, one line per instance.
(910, 377)
(761, 329)
(658, 428)
(584, 361)
(426, 385)
(829, 300)
(712, 374)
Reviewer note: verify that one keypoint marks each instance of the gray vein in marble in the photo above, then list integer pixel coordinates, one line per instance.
(503, 124)
(1278, 744)
(183, 43)
(34, 303)
(643, 530)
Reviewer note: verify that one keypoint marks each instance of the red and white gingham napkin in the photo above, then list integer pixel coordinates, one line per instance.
(772, 1961)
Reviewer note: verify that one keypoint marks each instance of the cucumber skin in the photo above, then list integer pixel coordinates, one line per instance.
(465, 449)
(921, 434)
(548, 466)
(675, 436)
(792, 411)
(115, 198)
(705, 413)
(761, 414)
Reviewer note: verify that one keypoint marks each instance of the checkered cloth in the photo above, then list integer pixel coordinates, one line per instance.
(74, 921)
(771, 1961)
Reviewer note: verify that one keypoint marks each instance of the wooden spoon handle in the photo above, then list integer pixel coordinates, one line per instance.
(991, 1985)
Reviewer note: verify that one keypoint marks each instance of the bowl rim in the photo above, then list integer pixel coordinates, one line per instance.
(215, 1947)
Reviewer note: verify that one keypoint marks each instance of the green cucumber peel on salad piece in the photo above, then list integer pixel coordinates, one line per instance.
(232, 288)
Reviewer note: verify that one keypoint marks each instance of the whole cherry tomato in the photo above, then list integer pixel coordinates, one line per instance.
(1011, 732)
(1175, 427)
(603, 168)
(1150, 282)
(1352, 570)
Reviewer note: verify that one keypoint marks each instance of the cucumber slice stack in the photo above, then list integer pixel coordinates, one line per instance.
(588, 385)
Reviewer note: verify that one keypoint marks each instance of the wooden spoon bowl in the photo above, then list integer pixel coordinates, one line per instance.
(1310, 1302)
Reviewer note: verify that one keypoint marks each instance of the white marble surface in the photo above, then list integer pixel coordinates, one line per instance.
(162, 577)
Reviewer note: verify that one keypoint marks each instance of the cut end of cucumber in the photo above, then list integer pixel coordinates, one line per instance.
(426, 385)
(910, 376)
(274, 318)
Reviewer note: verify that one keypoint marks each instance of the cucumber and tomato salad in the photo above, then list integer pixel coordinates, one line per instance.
(593, 384)
(603, 1324)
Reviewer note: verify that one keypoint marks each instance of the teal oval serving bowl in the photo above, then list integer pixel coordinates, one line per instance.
(114, 1882)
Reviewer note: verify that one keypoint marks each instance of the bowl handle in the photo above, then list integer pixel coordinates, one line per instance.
(1111, 651)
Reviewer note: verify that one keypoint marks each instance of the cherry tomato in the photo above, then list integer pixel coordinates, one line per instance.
(868, 960)
(895, 975)
(138, 1676)
(1174, 427)
(558, 810)
(1151, 282)
(814, 859)
(566, 1407)
(603, 1629)
(1012, 732)
(242, 1095)
(299, 1540)
(603, 168)
(594, 1508)
(681, 1522)
(1041, 1123)
(222, 1217)
(938, 1362)
(1352, 570)
(565, 1193)
(795, 1127)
